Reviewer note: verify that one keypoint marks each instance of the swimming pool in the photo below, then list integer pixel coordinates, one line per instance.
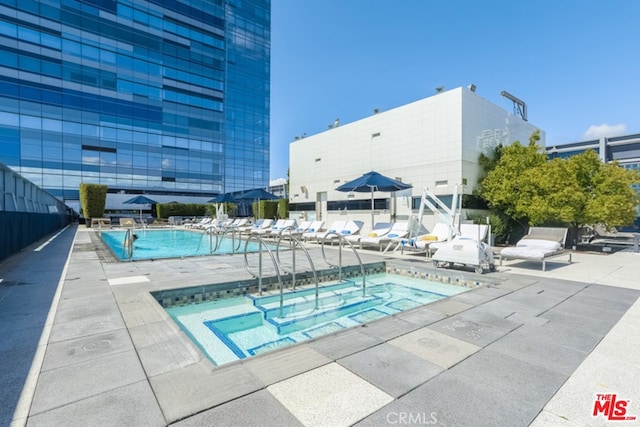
(156, 244)
(240, 327)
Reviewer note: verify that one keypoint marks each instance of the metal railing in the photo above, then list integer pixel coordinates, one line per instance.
(127, 244)
(217, 236)
(258, 276)
(341, 241)
(295, 242)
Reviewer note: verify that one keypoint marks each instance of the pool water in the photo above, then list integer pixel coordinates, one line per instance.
(156, 244)
(240, 327)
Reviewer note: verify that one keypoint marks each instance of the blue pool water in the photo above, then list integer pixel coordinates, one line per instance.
(156, 244)
(236, 328)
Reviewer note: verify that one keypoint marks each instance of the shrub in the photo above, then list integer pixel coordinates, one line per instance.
(93, 198)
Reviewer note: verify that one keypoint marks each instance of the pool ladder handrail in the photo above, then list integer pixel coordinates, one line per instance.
(295, 241)
(128, 243)
(262, 243)
(219, 233)
(341, 240)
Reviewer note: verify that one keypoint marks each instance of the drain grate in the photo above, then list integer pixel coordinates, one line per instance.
(103, 252)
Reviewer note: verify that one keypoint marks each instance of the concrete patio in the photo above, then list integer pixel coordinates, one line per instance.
(85, 343)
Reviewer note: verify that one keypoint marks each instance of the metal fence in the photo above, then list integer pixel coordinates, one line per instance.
(27, 212)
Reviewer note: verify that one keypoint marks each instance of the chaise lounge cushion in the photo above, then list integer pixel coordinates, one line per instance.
(549, 245)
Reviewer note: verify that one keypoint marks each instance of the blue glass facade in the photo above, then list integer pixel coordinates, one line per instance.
(163, 96)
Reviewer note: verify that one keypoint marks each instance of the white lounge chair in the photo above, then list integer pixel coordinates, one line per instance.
(202, 223)
(315, 235)
(379, 229)
(226, 224)
(441, 232)
(301, 228)
(540, 244)
(238, 223)
(350, 228)
(258, 225)
(266, 230)
(286, 225)
(399, 230)
(311, 230)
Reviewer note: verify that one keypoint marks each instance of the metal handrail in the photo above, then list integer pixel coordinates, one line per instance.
(128, 243)
(342, 239)
(293, 243)
(259, 275)
(219, 234)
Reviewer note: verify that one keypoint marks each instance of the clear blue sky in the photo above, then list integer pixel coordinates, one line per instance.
(576, 63)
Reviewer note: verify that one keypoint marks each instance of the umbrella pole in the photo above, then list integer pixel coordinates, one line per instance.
(372, 208)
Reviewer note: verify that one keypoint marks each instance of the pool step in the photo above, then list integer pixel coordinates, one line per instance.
(265, 300)
(286, 325)
(302, 304)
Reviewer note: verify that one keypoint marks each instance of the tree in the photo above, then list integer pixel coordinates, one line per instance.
(578, 190)
(510, 186)
(614, 200)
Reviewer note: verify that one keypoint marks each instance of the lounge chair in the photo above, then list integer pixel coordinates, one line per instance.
(312, 229)
(286, 225)
(399, 230)
(266, 230)
(350, 228)
(600, 236)
(238, 223)
(441, 232)
(223, 224)
(127, 222)
(315, 235)
(378, 230)
(260, 224)
(301, 228)
(540, 244)
(202, 223)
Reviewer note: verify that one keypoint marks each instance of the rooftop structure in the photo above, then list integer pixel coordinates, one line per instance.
(431, 143)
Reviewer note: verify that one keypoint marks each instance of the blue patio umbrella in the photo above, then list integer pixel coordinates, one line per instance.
(223, 198)
(371, 182)
(257, 194)
(140, 200)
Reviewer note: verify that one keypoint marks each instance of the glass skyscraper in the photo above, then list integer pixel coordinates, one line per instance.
(163, 96)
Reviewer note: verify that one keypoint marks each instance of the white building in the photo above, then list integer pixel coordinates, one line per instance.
(432, 143)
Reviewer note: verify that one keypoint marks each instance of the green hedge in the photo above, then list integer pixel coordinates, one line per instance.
(165, 210)
(283, 208)
(93, 198)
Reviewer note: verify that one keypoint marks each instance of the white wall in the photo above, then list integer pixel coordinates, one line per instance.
(438, 138)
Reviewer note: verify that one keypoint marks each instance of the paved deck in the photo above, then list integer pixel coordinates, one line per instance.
(86, 344)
